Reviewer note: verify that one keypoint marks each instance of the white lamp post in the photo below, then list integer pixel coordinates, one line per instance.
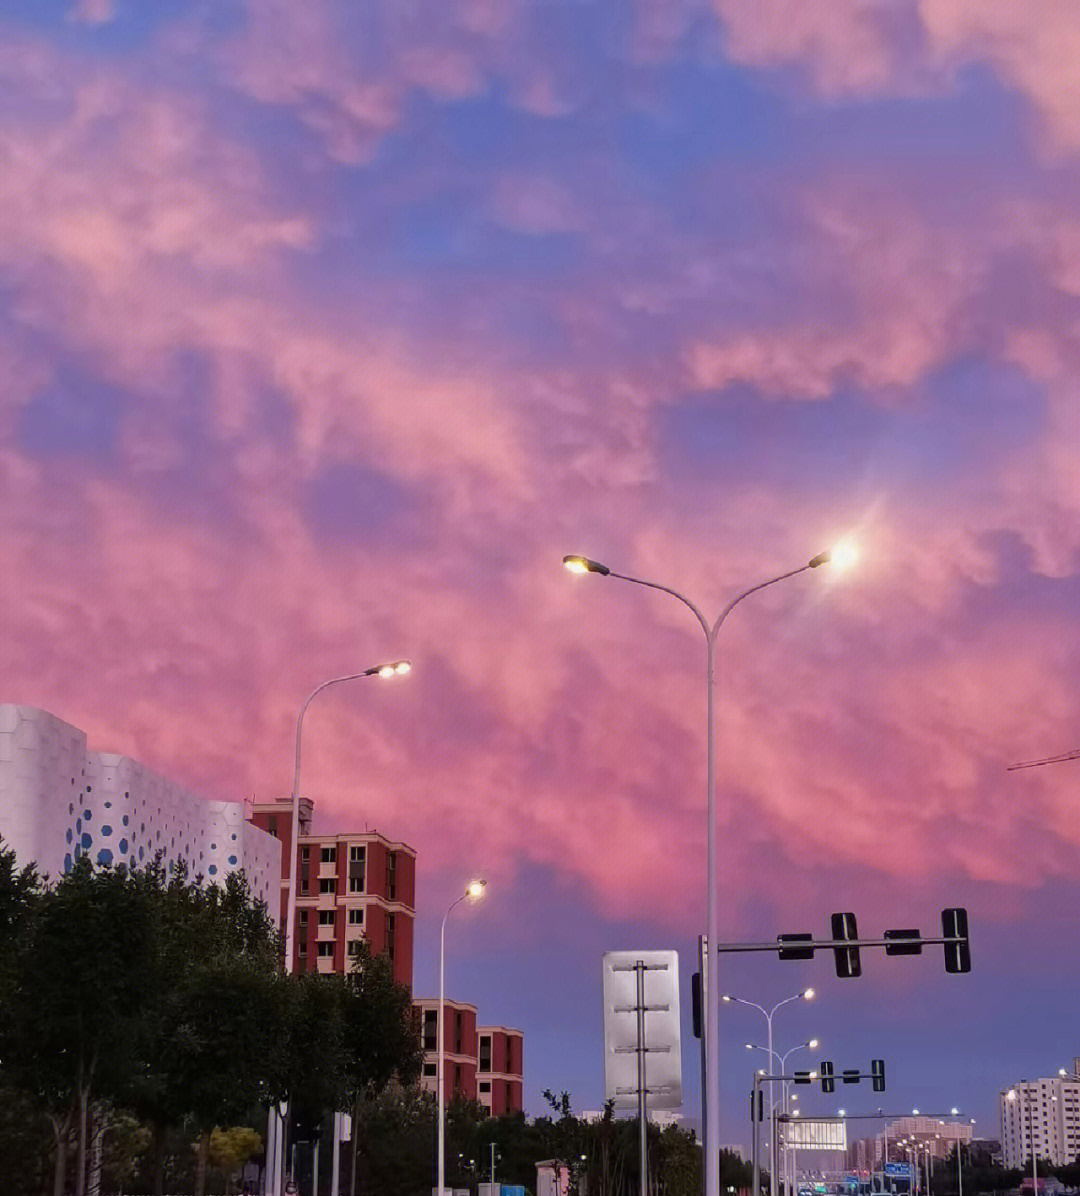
(807, 994)
(391, 669)
(842, 556)
(473, 892)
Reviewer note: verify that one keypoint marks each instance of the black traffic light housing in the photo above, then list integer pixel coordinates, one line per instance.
(791, 946)
(912, 945)
(954, 924)
(848, 964)
(828, 1083)
(877, 1074)
(695, 1003)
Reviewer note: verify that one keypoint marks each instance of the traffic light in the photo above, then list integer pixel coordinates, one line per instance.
(760, 1106)
(877, 1074)
(802, 1077)
(794, 950)
(954, 925)
(850, 1076)
(847, 958)
(913, 945)
(695, 1002)
(828, 1083)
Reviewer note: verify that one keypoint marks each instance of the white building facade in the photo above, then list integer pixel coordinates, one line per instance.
(59, 801)
(1046, 1112)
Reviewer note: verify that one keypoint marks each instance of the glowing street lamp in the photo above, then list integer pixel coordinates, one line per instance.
(474, 890)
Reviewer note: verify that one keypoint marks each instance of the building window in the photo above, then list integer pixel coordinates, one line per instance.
(429, 1069)
(352, 948)
(326, 917)
(391, 875)
(390, 936)
(457, 1032)
(356, 916)
(326, 950)
(485, 1085)
(303, 919)
(457, 1077)
(357, 860)
(431, 1029)
(328, 855)
(326, 884)
(485, 1052)
(271, 825)
(305, 854)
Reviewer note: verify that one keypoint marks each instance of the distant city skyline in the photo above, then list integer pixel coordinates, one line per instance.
(327, 330)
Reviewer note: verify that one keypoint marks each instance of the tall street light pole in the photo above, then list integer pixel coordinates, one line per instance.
(806, 995)
(473, 892)
(394, 668)
(710, 1028)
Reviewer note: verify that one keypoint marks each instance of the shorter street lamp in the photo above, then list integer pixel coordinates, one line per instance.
(473, 892)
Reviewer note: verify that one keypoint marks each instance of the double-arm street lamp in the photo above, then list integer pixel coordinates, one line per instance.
(807, 994)
(473, 892)
(780, 1063)
(710, 1028)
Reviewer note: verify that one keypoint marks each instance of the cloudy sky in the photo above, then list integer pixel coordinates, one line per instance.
(327, 329)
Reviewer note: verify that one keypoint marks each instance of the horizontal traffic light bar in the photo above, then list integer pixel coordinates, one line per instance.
(846, 944)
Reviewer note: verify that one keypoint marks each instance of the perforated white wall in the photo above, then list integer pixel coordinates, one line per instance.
(58, 801)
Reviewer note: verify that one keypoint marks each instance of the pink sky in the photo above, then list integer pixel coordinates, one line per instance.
(323, 337)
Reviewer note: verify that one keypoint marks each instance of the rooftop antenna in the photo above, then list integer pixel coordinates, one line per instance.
(1073, 755)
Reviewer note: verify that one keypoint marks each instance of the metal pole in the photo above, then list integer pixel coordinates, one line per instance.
(335, 1178)
(440, 1068)
(643, 1141)
(315, 1170)
(959, 1169)
(493, 1164)
(772, 1110)
(755, 1125)
(712, 935)
(703, 971)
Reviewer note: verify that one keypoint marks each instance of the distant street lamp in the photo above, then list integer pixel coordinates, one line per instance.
(473, 892)
(842, 556)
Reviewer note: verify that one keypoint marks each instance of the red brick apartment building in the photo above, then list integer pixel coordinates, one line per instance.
(481, 1063)
(349, 886)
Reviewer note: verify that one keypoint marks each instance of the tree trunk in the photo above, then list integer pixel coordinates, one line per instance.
(60, 1129)
(80, 1165)
(200, 1163)
(159, 1160)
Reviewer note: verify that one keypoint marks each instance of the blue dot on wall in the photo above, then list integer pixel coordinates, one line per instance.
(70, 834)
(232, 860)
(71, 808)
(86, 815)
(212, 869)
(106, 830)
(69, 863)
(87, 841)
(78, 824)
(108, 805)
(125, 820)
(141, 852)
(123, 845)
(104, 856)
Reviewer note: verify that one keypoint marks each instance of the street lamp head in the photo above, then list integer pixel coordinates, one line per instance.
(813, 1044)
(915, 1112)
(841, 556)
(749, 1046)
(1062, 1071)
(808, 994)
(953, 1112)
(582, 564)
(475, 889)
(726, 997)
(393, 668)
(842, 1112)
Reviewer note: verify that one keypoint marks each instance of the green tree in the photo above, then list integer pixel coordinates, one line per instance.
(79, 991)
(230, 1149)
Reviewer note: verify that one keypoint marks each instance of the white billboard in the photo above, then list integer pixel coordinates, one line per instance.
(808, 1133)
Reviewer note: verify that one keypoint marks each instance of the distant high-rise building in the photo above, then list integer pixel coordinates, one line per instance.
(1045, 1112)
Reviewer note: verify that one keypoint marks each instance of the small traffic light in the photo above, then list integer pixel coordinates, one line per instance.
(802, 1077)
(695, 1002)
(850, 1076)
(828, 1083)
(912, 945)
(877, 1074)
(760, 1106)
(847, 958)
(794, 951)
(954, 925)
